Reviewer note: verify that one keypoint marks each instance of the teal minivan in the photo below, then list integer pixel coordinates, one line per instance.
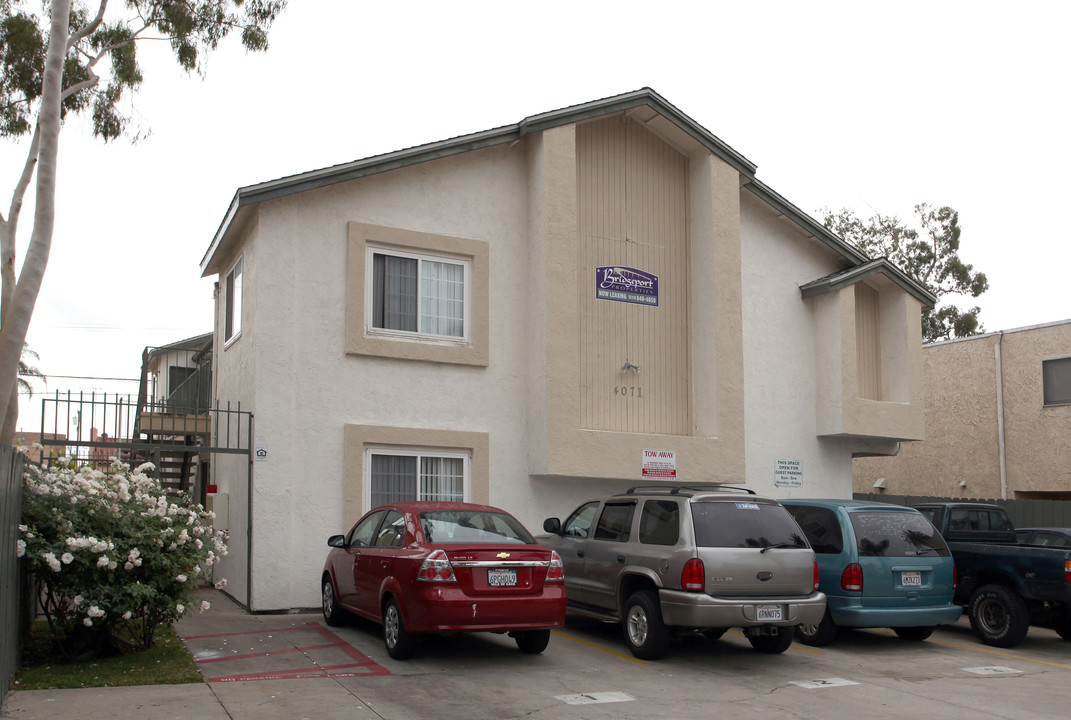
(880, 565)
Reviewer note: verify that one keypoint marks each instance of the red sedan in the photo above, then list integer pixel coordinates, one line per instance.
(419, 567)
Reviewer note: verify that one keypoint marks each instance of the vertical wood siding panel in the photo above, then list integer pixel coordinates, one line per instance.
(867, 342)
(632, 205)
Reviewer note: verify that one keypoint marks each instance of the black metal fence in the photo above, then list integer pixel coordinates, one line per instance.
(1023, 513)
(10, 515)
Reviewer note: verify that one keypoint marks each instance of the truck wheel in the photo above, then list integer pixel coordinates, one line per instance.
(645, 633)
(772, 644)
(916, 634)
(818, 635)
(998, 616)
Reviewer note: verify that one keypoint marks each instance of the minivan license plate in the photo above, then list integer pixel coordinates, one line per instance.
(501, 578)
(911, 579)
(768, 612)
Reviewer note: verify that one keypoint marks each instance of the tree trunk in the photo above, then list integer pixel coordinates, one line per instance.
(16, 320)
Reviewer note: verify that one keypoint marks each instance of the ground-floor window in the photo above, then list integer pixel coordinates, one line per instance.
(396, 476)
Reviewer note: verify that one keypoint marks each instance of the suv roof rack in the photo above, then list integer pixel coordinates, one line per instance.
(684, 489)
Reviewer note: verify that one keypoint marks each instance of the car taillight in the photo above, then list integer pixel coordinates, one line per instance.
(436, 568)
(815, 574)
(852, 578)
(555, 571)
(693, 576)
(955, 575)
(1067, 571)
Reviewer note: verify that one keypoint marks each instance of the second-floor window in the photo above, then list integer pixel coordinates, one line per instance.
(233, 320)
(420, 294)
(1056, 379)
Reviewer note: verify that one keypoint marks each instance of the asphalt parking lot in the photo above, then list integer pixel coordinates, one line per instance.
(588, 673)
(294, 666)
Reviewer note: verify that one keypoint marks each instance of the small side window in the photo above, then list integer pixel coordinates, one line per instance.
(364, 531)
(579, 523)
(660, 522)
(821, 527)
(615, 523)
(392, 533)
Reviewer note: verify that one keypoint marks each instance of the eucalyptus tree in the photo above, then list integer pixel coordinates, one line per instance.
(931, 257)
(65, 58)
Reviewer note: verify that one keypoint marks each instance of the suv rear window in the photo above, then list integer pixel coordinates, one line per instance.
(744, 524)
(896, 534)
(660, 522)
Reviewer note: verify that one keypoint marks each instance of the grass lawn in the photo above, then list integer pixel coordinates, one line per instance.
(166, 663)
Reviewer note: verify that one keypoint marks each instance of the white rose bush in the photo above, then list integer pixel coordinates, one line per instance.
(113, 554)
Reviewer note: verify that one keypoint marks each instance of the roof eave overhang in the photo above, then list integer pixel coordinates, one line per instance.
(806, 223)
(878, 266)
(312, 180)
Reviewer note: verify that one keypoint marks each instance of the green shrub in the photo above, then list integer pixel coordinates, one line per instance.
(113, 554)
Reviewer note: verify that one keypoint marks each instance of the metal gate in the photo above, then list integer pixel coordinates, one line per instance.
(181, 442)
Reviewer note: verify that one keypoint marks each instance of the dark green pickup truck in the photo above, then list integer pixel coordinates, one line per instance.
(1003, 586)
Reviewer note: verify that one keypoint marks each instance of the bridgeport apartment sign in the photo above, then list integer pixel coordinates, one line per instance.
(625, 284)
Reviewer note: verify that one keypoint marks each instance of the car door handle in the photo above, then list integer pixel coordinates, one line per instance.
(580, 553)
(621, 559)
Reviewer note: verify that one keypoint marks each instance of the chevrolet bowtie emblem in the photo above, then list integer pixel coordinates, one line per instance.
(503, 555)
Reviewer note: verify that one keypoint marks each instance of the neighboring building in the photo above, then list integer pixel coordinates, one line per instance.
(45, 454)
(998, 421)
(596, 297)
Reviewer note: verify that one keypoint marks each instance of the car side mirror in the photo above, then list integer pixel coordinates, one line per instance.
(338, 541)
(552, 525)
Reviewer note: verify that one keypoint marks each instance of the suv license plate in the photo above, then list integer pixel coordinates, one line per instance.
(501, 578)
(768, 612)
(911, 579)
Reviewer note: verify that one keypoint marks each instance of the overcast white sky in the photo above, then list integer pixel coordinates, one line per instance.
(873, 106)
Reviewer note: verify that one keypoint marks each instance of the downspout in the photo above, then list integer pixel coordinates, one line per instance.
(1001, 447)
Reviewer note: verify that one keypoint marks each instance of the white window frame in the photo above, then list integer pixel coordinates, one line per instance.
(232, 302)
(464, 455)
(466, 319)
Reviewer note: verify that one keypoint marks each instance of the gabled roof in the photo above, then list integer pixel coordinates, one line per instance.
(877, 266)
(645, 104)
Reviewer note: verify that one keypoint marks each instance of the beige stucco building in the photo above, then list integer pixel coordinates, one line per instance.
(998, 420)
(592, 298)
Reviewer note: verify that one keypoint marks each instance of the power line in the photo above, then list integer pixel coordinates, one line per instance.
(84, 377)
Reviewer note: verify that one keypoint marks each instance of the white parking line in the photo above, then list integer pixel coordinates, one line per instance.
(593, 698)
(826, 683)
(993, 670)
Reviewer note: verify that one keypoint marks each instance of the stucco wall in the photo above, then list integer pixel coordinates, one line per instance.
(963, 417)
(782, 373)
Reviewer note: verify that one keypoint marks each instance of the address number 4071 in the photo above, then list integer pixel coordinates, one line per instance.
(624, 391)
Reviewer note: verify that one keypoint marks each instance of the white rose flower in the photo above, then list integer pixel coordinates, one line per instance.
(103, 561)
(181, 578)
(180, 608)
(67, 558)
(127, 615)
(205, 605)
(20, 548)
(87, 622)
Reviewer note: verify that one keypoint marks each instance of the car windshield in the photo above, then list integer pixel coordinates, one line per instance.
(472, 526)
(896, 534)
(745, 524)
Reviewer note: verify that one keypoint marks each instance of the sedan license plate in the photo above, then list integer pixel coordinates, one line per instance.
(766, 613)
(911, 579)
(501, 578)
